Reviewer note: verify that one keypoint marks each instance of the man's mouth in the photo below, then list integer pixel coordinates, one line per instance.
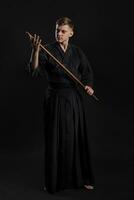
(59, 38)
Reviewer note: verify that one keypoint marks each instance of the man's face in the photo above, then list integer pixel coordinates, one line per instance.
(63, 33)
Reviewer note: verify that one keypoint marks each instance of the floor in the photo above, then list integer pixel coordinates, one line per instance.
(21, 178)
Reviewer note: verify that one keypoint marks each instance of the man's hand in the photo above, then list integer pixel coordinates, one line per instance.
(89, 90)
(35, 42)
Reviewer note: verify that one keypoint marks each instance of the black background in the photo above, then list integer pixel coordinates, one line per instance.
(105, 32)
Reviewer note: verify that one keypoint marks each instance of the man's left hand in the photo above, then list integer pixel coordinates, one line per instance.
(89, 90)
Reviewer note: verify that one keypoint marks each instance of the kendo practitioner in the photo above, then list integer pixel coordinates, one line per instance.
(67, 151)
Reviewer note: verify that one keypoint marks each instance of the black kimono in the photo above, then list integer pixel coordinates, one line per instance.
(67, 154)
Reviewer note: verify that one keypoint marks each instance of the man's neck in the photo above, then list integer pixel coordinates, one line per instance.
(64, 46)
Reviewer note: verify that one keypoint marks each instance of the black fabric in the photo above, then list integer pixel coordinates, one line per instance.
(66, 138)
(67, 150)
(73, 59)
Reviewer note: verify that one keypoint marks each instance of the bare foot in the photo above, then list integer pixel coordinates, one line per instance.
(44, 188)
(89, 187)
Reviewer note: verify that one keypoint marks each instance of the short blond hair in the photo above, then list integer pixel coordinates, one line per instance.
(65, 21)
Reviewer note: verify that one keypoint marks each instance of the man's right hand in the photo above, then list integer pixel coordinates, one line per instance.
(35, 42)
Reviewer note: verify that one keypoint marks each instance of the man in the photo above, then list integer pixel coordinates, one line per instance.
(67, 156)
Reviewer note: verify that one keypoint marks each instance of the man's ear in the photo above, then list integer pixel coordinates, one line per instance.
(71, 34)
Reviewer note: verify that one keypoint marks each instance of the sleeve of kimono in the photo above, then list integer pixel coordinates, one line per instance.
(85, 70)
(40, 69)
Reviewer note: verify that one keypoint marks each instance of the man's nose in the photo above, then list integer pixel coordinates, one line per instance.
(59, 33)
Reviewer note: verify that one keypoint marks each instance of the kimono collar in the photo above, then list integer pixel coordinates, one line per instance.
(61, 50)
